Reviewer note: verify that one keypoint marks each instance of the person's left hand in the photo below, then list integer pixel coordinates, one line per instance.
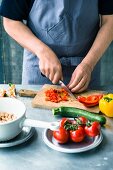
(80, 78)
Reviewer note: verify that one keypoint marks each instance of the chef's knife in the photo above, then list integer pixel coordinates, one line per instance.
(62, 84)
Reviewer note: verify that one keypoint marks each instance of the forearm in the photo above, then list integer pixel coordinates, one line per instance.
(49, 64)
(101, 43)
(23, 35)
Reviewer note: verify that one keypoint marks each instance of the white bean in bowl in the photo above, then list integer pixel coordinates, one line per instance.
(6, 117)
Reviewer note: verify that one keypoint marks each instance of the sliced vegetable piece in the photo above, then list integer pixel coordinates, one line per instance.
(56, 95)
(91, 100)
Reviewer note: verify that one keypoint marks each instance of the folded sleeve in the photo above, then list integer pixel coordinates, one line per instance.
(106, 7)
(15, 9)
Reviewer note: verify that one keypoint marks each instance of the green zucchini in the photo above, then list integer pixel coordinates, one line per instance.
(75, 112)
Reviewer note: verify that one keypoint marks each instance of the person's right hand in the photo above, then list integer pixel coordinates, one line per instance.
(50, 65)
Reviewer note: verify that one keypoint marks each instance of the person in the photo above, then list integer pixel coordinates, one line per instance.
(62, 39)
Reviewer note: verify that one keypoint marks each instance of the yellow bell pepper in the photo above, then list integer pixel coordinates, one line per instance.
(106, 105)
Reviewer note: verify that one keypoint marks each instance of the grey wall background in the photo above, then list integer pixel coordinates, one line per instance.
(1, 68)
(11, 55)
(11, 61)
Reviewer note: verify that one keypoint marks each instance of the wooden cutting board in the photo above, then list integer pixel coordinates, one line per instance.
(39, 100)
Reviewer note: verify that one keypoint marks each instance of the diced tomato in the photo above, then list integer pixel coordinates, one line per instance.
(56, 95)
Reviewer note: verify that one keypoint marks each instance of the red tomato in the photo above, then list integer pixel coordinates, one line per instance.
(63, 121)
(83, 120)
(61, 135)
(56, 95)
(77, 135)
(93, 130)
(73, 122)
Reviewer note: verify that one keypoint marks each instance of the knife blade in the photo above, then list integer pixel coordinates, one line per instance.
(62, 84)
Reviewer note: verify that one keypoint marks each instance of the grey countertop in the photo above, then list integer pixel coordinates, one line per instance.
(35, 155)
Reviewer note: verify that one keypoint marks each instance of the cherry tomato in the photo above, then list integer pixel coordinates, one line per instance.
(93, 130)
(63, 121)
(83, 120)
(61, 135)
(73, 122)
(77, 135)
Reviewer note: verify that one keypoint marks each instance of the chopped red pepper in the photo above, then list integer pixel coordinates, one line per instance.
(91, 100)
(56, 95)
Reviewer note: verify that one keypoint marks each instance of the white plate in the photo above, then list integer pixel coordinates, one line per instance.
(26, 134)
(71, 147)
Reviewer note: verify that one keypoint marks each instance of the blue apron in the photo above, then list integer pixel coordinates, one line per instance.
(69, 28)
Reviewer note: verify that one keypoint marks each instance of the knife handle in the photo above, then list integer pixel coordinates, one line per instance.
(43, 75)
(27, 93)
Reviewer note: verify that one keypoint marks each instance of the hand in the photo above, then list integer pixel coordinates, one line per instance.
(80, 78)
(49, 65)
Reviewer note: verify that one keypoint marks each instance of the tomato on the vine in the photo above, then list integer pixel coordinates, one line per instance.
(83, 120)
(63, 121)
(93, 130)
(61, 135)
(73, 122)
(77, 135)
